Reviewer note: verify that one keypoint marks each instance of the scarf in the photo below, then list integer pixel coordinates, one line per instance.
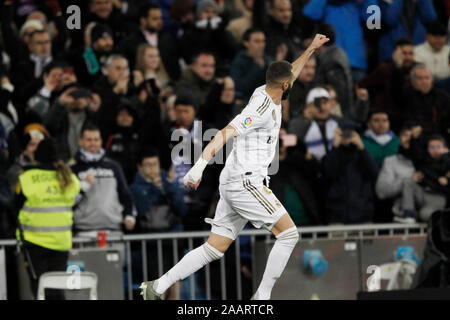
(314, 140)
(87, 156)
(381, 139)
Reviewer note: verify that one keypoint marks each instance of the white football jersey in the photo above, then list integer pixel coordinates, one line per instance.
(254, 148)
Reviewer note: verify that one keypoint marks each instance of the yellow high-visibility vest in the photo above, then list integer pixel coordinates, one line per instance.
(46, 217)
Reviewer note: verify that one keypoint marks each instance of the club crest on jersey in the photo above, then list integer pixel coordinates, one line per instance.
(248, 121)
(278, 203)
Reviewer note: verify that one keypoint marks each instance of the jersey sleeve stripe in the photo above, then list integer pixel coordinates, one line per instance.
(263, 105)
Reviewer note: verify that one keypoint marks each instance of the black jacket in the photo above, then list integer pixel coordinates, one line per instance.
(434, 270)
(123, 146)
(214, 112)
(57, 123)
(276, 34)
(351, 175)
(431, 111)
(219, 41)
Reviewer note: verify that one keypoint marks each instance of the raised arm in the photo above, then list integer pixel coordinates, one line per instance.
(298, 64)
(193, 177)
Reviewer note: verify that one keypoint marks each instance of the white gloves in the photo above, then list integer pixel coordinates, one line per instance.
(195, 174)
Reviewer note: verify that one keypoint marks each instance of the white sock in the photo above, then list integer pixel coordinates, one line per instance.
(278, 258)
(190, 263)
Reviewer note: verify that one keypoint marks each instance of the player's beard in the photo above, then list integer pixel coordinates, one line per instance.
(286, 93)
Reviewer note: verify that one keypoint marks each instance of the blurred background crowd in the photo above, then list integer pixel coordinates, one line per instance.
(365, 129)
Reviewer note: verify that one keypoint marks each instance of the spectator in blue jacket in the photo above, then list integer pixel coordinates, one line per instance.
(160, 206)
(249, 67)
(403, 19)
(153, 188)
(347, 18)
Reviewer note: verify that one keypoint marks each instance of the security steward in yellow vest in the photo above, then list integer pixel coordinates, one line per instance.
(46, 194)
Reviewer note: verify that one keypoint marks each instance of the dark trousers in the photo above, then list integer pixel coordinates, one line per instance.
(46, 260)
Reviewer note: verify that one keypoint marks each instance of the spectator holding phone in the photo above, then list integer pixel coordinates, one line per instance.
(66, 117)
(55, 79)
(350, 173)
(316, 127)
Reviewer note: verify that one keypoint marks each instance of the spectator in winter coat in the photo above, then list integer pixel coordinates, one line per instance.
(249, 67)
(106, 202)
(155, 187)
(351, 173)
(434, 52)
(113, 87)
(427, 192)
(239, 25)
(347, 19)
(387, 82)
(26, 75)
(187, 135)
(89, 60)
(123, 142)
(333, 69)
(316, 127)
(378, 139)
(65, 119)
(278, 27)
(208, 33)
(219, 107)
(403, 18)
(150, 32)
(425, 105)
(54, 82)
(300, 88)
(198, 78)
(395, 171)
(160, 206)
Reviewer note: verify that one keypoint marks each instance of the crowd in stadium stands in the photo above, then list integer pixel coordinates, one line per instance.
(365, 130)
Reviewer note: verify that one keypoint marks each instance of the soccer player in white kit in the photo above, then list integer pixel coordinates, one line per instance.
(243, 196)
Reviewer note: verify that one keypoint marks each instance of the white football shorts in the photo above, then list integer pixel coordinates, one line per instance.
(245, 201)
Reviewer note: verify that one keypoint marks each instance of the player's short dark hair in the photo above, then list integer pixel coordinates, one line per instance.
(278, 72)
(404, 42)
(146, 152)
(328, 31)
(248, 33)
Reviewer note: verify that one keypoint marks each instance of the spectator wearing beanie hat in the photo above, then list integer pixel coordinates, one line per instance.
(89, 61)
